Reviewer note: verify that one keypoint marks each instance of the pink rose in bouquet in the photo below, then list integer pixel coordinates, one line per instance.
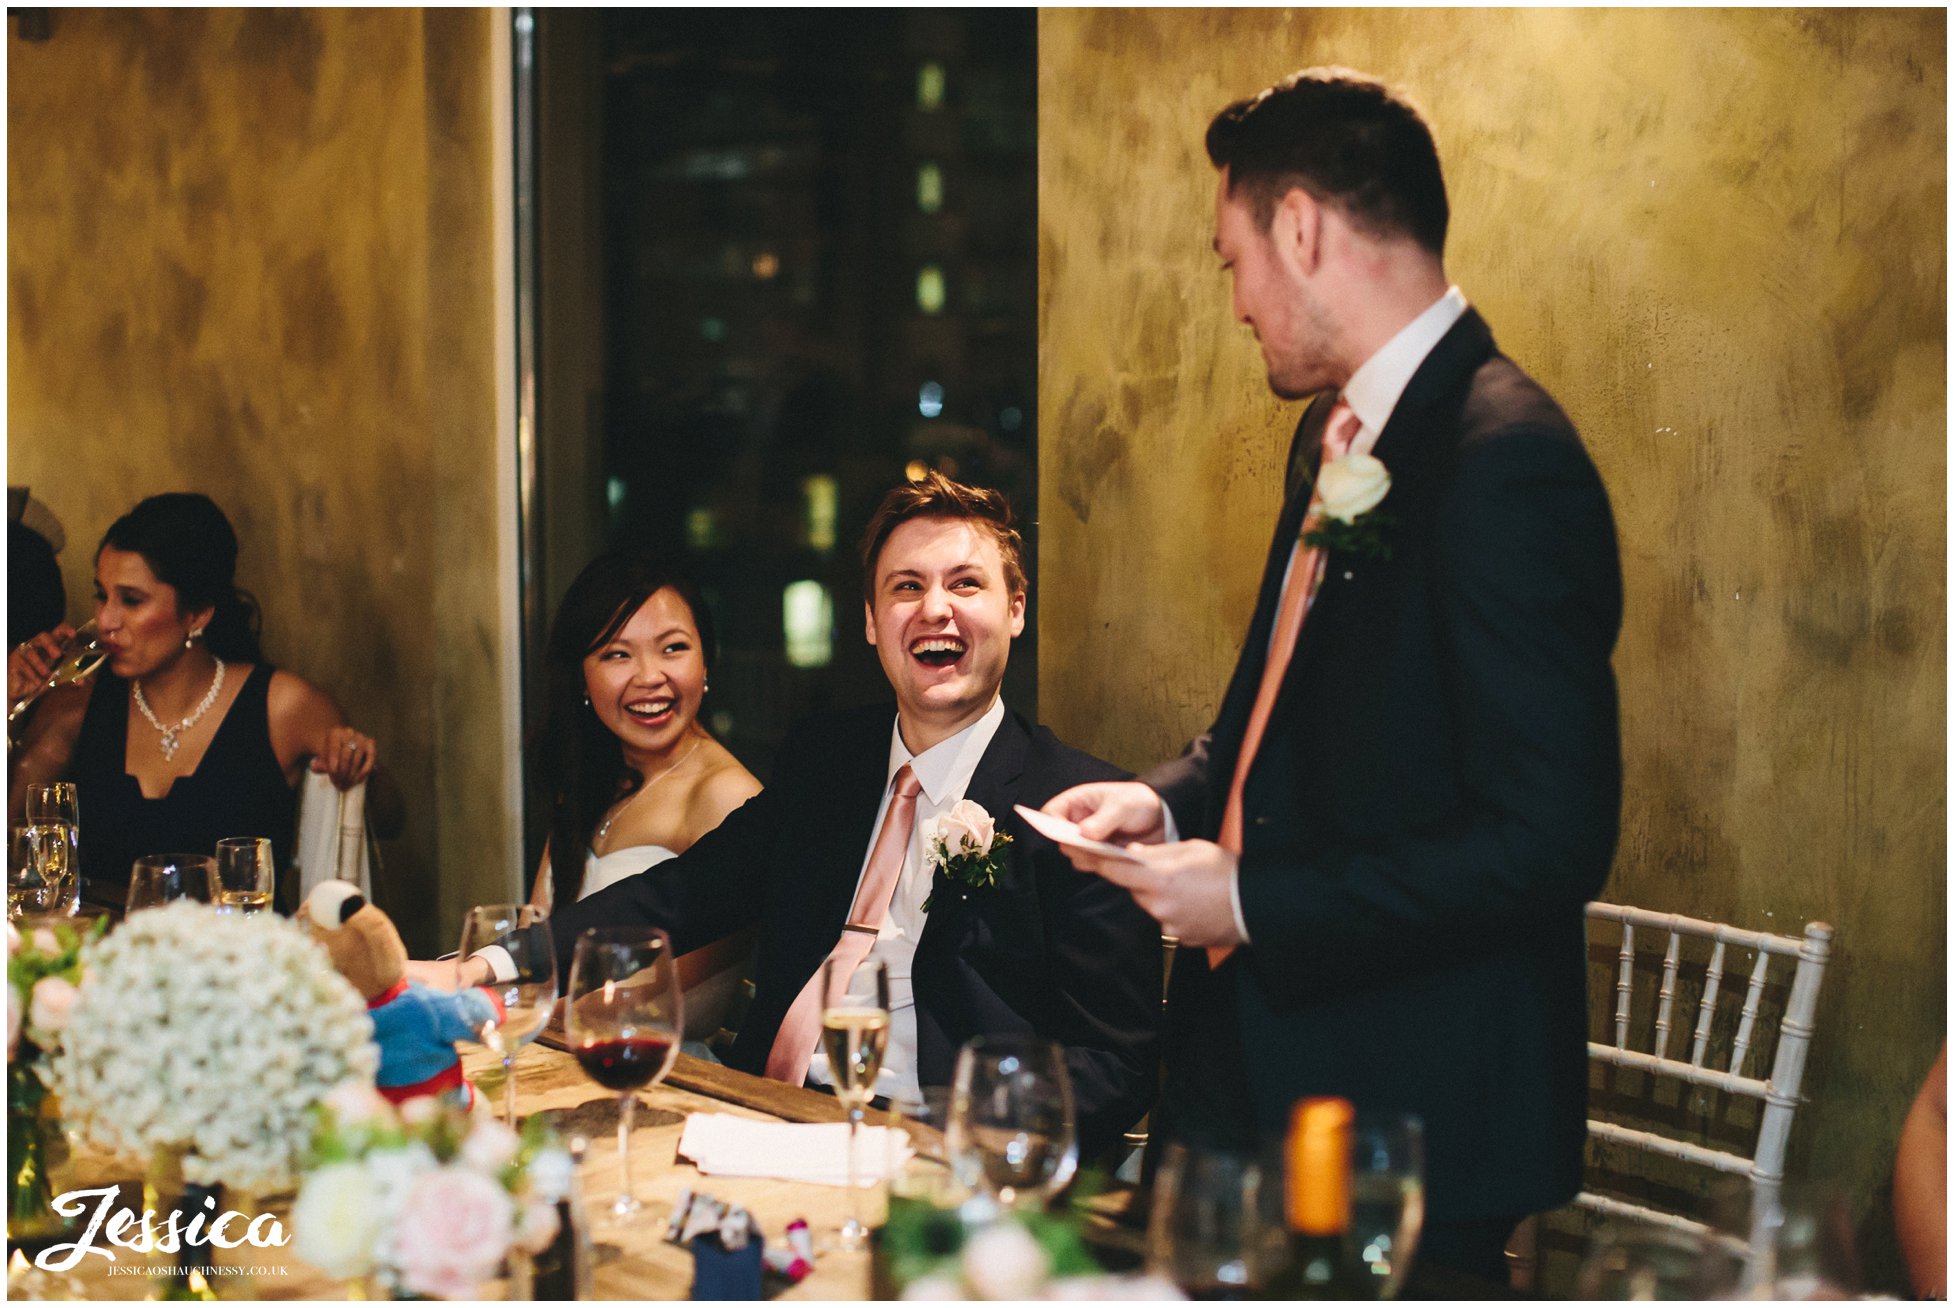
(455, 1226)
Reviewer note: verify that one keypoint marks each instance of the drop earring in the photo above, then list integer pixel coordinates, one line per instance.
(191, 639)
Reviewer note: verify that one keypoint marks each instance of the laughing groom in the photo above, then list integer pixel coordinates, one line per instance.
(834, 845)
(1413, 782)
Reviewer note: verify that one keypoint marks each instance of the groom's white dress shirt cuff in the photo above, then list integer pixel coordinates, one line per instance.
(503, 968)
(1171, 832)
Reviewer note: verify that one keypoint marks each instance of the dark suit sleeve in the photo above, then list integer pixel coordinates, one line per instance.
(1527, 590)
(1105, 1008)
(711, 890)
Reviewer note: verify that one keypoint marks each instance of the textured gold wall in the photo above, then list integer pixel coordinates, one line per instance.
(249, 253)
(1719, 238)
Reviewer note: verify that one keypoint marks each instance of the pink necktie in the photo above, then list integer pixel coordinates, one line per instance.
(1305, 575)
(800, 1030)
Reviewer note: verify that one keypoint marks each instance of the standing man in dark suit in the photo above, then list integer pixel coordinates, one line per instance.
(1413, 783)
(1047, 950)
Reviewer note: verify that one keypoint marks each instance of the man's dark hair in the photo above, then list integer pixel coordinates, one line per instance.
(1344, 138)
(934, 495)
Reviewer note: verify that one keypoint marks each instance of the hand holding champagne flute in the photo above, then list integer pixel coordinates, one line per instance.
(525, 1000)
(77, 658)
(854, 1034)
(623, 1020)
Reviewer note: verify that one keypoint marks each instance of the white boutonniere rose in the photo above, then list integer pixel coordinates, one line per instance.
(965, 845)
(1345, 516)
(1352, 486)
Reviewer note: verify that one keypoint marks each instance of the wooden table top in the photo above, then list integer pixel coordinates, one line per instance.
(633, 1262)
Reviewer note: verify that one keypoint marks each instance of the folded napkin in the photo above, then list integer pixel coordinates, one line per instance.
(720, 1144)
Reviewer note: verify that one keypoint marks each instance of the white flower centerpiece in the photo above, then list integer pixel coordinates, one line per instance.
(427, 1201)
(212, 1038)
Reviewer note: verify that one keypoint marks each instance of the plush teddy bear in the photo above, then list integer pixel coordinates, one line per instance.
(415, 1025)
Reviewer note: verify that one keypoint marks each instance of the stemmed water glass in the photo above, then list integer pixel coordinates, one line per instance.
(244, 874)
(1012, 1131)
(854, 1035)
(1387, 1198)
(527, 997)
(158, 879)
(623, 1020)
(1216, 1228)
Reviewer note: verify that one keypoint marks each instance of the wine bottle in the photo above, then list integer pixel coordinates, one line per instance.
(1316, 1204)
(562, 1271)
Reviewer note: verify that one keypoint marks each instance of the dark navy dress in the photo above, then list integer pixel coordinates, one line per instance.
(238, 789)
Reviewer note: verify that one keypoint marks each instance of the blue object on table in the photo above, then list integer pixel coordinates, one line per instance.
(719, 1274)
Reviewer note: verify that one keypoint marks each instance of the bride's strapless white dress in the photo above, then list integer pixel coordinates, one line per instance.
(708, 1002)
(619, 864)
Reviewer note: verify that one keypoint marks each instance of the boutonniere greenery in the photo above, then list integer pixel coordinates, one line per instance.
(965, 845)
(1346, 517)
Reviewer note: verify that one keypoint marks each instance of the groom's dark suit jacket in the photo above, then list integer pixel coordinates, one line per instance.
(1436, 797)
(1047, 950)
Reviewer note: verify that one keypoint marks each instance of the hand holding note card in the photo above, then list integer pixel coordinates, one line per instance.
(1060, 831)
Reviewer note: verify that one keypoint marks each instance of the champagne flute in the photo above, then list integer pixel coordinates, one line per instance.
(30, 891)
(1012, 1130)
(854, 1035)
(58, 803)
(1387, 1198)
(79, 657)
(623, 1020)
(527, 997)
(1216, 1228)
(158, 879)
(244, 874)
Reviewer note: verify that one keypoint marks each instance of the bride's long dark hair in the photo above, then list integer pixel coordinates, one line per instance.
(574, 760)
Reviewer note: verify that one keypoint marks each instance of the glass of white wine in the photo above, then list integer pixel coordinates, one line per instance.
(79, 658)
(854, 1035)
(30, 891)
(527, 997)
(53, 809)
(1012, 1130)
(244, 874)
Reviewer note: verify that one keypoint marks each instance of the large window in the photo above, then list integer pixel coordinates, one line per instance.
(785, 256)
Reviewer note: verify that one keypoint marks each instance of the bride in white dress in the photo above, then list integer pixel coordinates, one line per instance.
(633, 777)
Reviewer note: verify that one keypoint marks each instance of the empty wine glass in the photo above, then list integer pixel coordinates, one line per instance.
(527, 996)
(79, 657)
(1216, 1228)
(244, 874)
(854, 1035)
(158, 879)
(623, 1020)
(1635, 1260)
(1012, 1131)
(1387, 1198)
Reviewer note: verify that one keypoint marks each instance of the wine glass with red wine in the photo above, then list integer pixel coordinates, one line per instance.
(623, 1021)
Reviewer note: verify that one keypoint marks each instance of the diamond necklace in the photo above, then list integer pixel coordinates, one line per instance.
(171, 735)
(604, 827)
